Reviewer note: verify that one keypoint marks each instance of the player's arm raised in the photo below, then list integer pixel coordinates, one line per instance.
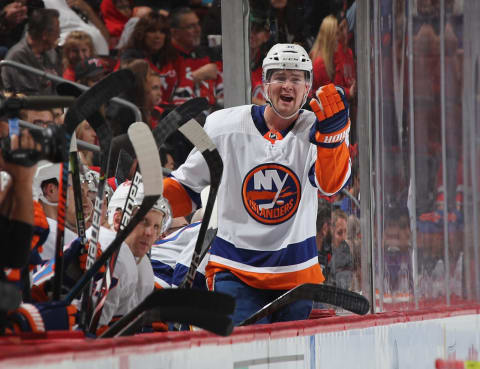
(330, 133)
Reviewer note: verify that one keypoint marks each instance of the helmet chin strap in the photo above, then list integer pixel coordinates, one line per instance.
(46, 201)
(288, 116)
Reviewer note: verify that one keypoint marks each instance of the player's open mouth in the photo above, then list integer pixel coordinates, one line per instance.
(286, 98)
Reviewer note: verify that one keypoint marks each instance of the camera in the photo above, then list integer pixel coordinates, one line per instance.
(52, 142)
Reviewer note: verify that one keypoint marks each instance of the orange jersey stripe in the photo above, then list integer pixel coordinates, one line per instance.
(281, 281)
(178, 198)
(331, 167)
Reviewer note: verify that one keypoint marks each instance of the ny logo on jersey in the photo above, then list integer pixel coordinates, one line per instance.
(271, 193)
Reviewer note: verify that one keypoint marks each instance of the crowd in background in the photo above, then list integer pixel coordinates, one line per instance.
(174, 50)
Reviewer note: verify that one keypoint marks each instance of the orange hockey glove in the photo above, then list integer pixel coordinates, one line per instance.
(333, 122)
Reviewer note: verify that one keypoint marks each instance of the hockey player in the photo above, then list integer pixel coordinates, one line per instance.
(133, 275)
(45, 190)
(276, 158)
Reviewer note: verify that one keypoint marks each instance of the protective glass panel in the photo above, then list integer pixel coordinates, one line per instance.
(424, 221)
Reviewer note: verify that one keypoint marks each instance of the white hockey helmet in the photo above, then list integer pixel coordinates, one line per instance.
(119, 198)
(45, 171)
(287, 56)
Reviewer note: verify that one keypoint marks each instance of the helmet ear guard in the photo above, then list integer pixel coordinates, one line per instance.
(287, 56)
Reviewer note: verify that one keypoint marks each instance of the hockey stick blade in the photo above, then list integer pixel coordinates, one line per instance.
(214, 303)
(177, 117)
(331, 295)
(97, 95)
(221, 325)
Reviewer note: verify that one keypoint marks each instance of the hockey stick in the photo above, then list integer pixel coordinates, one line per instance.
(104, 136)
(204, 309)
(88, 103)
(137, 136)
(331, 295)
(77, 191)
(195, 134)
(168, 125)
(151, 184)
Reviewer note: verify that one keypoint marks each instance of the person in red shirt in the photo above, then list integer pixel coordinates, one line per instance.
(115, 14)
(78, 46)
(150, 41)
(345, 75)
(199, 75)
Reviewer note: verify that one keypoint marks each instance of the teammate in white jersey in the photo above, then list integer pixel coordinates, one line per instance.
(276, 158)
(133, 277)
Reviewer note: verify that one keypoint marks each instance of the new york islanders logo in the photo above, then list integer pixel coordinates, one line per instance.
(271, 193)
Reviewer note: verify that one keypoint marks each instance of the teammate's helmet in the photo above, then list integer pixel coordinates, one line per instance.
(45, 171)
(119, 198)
(287, 56)
(161, 205)
(117, 201)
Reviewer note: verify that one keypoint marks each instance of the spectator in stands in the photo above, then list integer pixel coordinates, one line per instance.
(90, 71)
(14, 16)
(138, 12)
(78, 46)
(345, 74)
(198, 75)
(86, 133)
(259, 45)
(284, 18)
(323, 237)
(322, 52)
(77, 15)
(119, 116)
(341, 263)
(150, 40)
(12, 20)
(115, 14)
(36, 49)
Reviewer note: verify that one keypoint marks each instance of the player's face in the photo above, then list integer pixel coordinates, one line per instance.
(145, 233)
(286, 89)
(70, 207)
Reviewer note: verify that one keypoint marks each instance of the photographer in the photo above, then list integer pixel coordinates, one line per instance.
(16, 204)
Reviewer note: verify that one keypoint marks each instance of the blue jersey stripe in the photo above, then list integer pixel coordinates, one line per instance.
(293, 254)
(162, 271)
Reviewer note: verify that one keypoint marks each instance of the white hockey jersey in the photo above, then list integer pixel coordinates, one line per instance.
(171, 258)
(49, 245)
(131, 282)
(267, 200)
